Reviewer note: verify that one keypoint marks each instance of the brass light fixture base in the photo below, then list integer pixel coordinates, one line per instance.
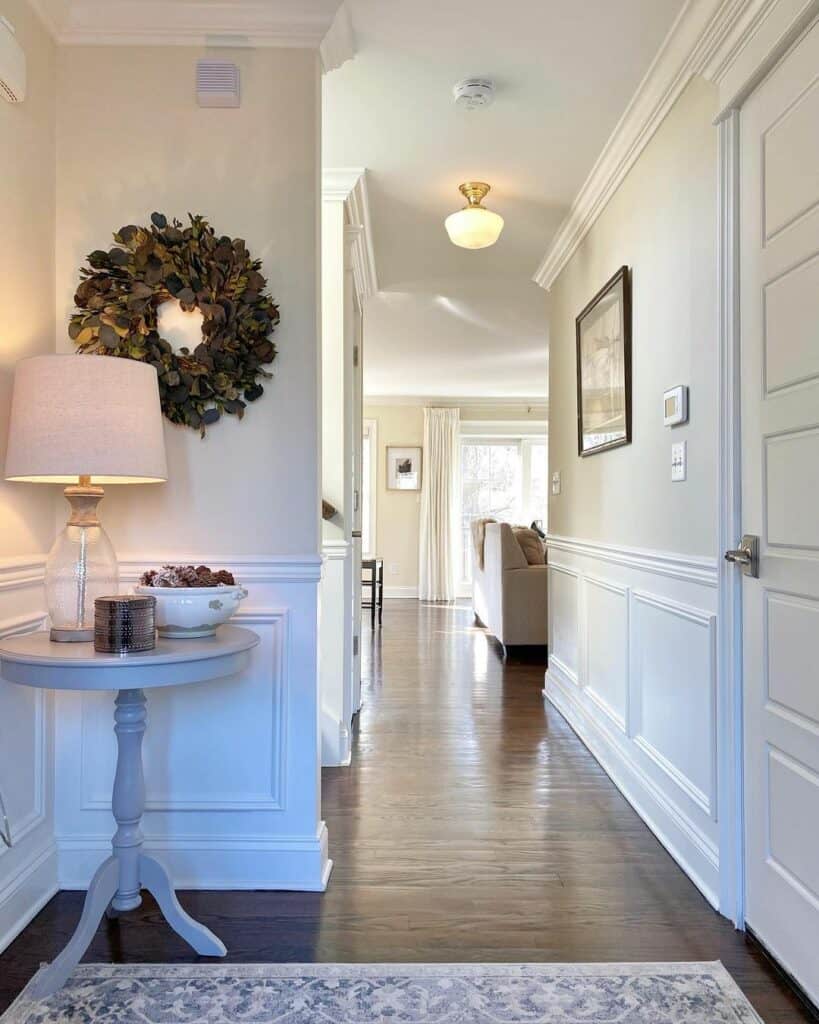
(474, 191)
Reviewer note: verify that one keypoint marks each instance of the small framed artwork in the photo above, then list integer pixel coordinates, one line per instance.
(603, 332)
(403, 468)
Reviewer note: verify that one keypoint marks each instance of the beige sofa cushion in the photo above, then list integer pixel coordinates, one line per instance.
(479, 538)
(530, 545)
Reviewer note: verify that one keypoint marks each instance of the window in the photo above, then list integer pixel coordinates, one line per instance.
(535, 470)
(502, 478)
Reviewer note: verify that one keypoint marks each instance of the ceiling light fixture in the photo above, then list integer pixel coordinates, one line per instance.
(474, 227)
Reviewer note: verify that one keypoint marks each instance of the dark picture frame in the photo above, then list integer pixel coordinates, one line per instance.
(603, 338)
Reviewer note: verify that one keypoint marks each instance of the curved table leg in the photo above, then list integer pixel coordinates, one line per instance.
(155, 878)
(100, 893)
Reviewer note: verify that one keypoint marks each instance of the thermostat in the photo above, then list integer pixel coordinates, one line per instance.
(675, 406)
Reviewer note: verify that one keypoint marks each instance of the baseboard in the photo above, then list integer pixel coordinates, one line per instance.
(787, 979)
(336, 742)
(292, 863)
(692, 850)
(25, 895)
(405, 593)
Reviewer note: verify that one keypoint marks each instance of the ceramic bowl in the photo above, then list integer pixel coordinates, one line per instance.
(193, 611)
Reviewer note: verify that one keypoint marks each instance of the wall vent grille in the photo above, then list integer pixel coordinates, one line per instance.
(217, 83)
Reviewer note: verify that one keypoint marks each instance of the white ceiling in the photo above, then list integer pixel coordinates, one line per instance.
(446, 321)
(464, 337)
(565, 72)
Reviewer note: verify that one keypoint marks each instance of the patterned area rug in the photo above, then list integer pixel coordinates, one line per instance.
(685, 993)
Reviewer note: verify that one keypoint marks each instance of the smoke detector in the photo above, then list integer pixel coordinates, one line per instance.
(474, 93)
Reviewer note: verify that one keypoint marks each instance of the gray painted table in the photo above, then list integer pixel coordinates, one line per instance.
(33, 660)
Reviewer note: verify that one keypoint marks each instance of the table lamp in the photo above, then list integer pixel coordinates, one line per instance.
(83, 420)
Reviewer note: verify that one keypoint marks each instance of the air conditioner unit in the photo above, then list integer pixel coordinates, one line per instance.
(12, 65)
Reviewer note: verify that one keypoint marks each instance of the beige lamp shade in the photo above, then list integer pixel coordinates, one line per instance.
(85, 415)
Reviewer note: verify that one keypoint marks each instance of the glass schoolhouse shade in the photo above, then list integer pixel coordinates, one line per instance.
(474, 227)
(83, 421)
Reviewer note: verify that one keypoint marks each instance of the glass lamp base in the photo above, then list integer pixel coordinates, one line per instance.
(70, 636)
(81, 567)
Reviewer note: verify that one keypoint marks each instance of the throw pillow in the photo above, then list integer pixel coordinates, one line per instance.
(530, 545)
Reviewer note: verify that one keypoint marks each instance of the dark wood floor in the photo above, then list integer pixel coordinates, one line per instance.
(472, 826)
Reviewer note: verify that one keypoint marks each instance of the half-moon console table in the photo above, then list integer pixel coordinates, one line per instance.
(33, 660)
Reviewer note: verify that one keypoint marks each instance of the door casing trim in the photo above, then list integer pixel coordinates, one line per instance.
(783, 26)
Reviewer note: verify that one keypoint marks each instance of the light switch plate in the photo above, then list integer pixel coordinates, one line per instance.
(556, 482)
(679, 461)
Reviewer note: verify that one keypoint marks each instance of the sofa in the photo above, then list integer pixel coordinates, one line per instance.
(509, 595)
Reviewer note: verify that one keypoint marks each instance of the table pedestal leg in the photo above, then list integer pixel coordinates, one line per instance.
(117, 884)
(154, 876)
(128, 802)
(102, 888)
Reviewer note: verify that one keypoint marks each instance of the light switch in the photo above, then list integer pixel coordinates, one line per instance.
(679, 461)
(556, 482)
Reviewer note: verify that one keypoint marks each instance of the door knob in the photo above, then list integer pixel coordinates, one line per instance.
(746, 555)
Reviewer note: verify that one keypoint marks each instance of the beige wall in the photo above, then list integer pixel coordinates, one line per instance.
(130, 140)
(662, 222)
(397, 512)
(27, 169)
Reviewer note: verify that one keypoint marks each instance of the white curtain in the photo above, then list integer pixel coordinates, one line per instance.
(440, 536)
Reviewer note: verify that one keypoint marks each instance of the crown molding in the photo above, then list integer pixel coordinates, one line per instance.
(348, 185)
(243, 23)
(704, 40)
(534, 404)
(338, 45)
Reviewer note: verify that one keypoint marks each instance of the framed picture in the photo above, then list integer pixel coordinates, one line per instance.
(403, 468)
(604, 368)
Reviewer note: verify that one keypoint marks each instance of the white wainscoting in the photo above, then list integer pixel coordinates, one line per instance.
(632, 666)
(404, 593)
(231, 766)
(335, 653)
(28, 871)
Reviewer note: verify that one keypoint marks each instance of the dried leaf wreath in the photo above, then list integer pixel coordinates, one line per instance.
(117, 302)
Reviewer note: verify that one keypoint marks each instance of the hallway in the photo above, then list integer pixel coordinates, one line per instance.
(472, 826)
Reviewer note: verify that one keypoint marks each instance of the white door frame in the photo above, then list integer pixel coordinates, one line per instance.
(786, 23)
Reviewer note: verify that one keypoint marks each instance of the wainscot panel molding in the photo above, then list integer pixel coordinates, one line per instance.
(225, 761)
(335, 653)
(403, 593)
(662, 563)
(632, 667)
(707, 39)
(28, 871)
(284, 569)
(28, 571)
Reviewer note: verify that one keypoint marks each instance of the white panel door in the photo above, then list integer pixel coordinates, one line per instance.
(780, 498)
(357, 440)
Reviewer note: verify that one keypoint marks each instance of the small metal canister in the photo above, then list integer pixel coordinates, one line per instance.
(124, 624)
